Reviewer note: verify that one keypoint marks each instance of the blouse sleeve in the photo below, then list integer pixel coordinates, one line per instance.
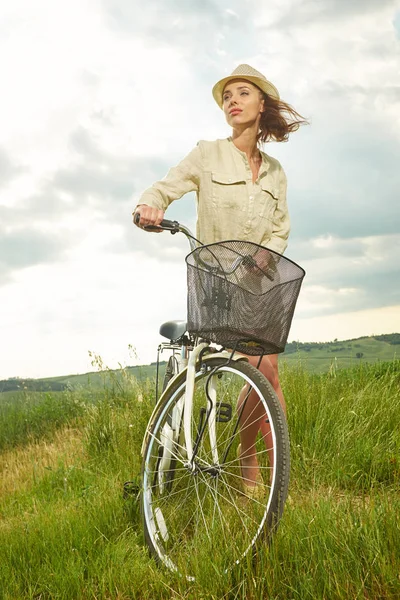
(281, 220)
(180, 180)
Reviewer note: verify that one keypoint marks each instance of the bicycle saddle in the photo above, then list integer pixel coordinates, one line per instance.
(173, 330)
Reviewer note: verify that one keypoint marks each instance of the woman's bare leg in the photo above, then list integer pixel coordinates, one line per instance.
(253, 418)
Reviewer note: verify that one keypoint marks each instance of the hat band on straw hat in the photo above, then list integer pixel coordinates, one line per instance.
(249, 74)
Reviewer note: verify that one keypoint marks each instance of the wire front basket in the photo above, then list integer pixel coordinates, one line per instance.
(242, 295)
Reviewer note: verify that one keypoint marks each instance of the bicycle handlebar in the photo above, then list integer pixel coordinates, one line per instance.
(175, 227)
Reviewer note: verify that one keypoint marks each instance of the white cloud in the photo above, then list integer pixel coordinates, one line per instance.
(326, 241)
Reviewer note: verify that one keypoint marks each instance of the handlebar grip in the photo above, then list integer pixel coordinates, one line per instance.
(172, 226)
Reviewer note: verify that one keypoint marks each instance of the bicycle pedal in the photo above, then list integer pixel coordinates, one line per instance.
(224, 412)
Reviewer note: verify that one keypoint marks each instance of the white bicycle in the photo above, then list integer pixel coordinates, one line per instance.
(194, 500)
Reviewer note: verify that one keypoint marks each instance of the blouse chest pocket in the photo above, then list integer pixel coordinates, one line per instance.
(268, 201)
(227, 190)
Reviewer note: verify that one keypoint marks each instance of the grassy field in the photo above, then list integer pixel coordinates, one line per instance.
(66, 530)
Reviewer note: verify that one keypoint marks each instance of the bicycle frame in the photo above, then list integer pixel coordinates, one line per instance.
(187, 374)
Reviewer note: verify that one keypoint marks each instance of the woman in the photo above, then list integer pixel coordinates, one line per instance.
(241, 194)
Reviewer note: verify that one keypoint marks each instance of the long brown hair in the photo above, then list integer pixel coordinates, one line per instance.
(278, 120)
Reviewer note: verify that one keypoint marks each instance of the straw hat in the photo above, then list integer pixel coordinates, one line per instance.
(249, 74)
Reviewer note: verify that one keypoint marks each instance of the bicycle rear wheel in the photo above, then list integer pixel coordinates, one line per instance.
(205, 510)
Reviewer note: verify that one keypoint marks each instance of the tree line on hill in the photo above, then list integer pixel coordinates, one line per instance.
(15, 384)
(337, 346)
(390, 338)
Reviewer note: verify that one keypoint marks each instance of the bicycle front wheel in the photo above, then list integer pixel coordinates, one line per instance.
(208, 506)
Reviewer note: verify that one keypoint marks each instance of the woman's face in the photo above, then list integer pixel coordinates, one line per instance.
(242, 103)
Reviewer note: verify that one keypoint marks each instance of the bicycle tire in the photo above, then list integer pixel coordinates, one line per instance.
(171, 370)
(206, 510)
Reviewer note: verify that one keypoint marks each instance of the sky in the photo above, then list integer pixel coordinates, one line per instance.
(101, 97)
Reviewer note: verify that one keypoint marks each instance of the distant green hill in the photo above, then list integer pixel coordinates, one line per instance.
(95, 379)
(316, 357)
(320, 357)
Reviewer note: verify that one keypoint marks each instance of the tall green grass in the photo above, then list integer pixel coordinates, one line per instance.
(344, 426)
(27, 416)
(71, 533)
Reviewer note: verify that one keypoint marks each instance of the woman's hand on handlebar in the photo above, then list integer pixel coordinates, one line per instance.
(262, 262)
(145, 215)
